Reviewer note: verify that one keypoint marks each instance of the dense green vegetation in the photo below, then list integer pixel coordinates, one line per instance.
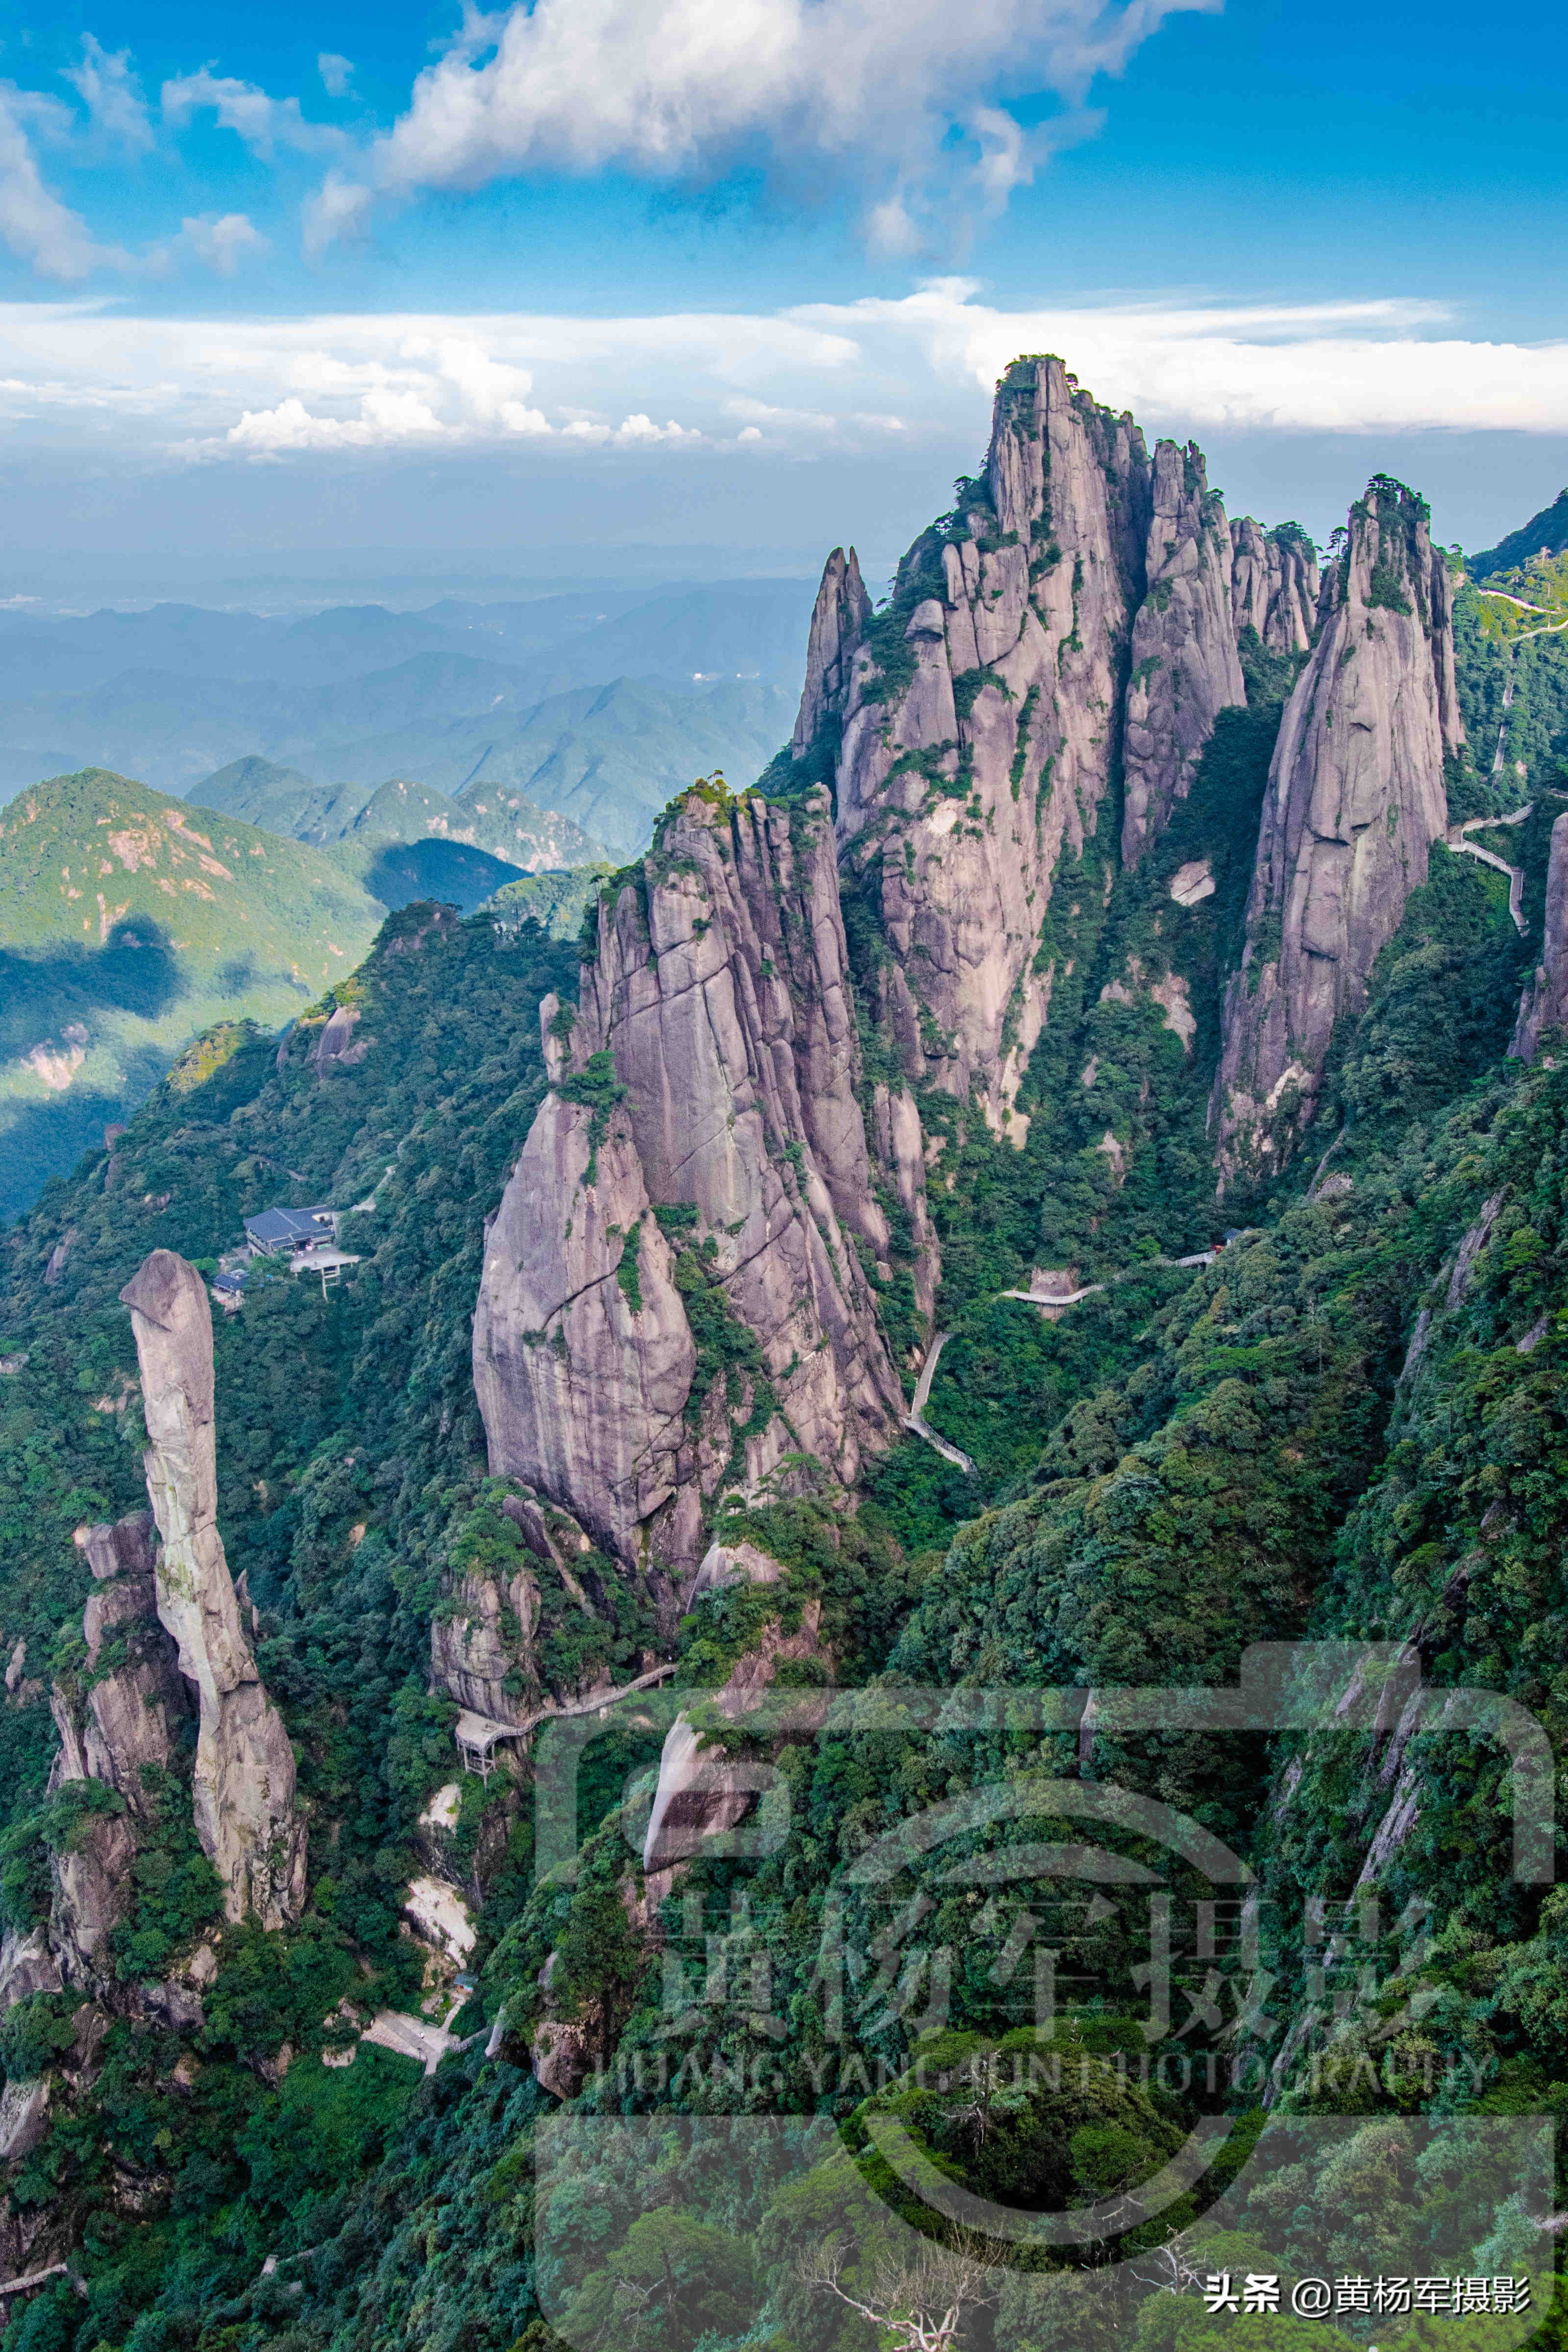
(350, 1470)
(130, 923)
(1347, 1426)
(555, 901)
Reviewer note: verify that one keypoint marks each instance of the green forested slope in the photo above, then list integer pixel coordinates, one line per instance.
(351, 1457)
(1347, 1427)
(129, 921)
(1218, 1459)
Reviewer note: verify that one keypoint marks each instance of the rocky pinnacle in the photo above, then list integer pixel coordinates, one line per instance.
(1354, 801)
(838, 620)
(244, 1777)
(1275, 586)
(978, 725)
(672, 1297)
(1185, 668)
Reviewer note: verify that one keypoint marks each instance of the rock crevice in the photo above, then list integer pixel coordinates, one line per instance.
(1544, 1004)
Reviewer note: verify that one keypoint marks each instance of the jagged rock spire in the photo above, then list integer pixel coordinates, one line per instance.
(838, 620)
(976, 742)
(713, 1073)
(1355, 799)
(1185, 664)
(243, 1784)
(120, 1721)
(1275, 584)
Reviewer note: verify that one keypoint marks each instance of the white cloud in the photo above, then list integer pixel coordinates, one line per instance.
(38, 228)
(904, 100)
(386, 420)
(829, 377)
(336, 73)
(339, 208)
(264, 124)
(223, 240)
(1346, 367)
(111, 95)
(491, 392)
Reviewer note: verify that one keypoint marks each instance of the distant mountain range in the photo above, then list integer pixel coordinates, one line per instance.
(302, 777)
(542, 785)
(129, 921)
(515, 836)
(599, 705)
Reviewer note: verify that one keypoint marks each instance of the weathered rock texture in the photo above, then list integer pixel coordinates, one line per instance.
(837, 623)
(244, 1778)
(979, 732)
(1355, 799)
(627, 1366)
(702, 1792)
(1544, 1004)
(111, 1726)
(1073, 611)
(485, 1640)
(1185, 670)
(1275, 586)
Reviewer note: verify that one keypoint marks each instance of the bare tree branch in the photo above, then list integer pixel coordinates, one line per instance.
(920, 2304)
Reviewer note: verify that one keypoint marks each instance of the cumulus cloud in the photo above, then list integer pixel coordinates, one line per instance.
(37, 227)
(386, 420)
(264, 124)
(842, 376)
(907, 100)
(336, 73)
(636, 432)
(223, 240)
(1344, 367)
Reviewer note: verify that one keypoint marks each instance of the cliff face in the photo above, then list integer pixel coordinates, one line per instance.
(837, 623)
(484, 1649)
(1275, 586)
(671, 1297)
(1185, 670)
(701, 1792)
(126, 1718)
(1074, 613)
(1544, 1004)
(244, 1778)
(979, 729)
(1355, 799)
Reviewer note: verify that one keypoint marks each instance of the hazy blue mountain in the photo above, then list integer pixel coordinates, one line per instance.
(697, 677)
(282, 799)
(522, 837)
(607, 759)
(612, 757)
(400, 872)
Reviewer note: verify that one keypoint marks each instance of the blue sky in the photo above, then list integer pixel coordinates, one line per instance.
(740, 272)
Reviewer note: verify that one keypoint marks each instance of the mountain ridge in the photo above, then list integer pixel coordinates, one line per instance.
(190, 916)
(893, 1078)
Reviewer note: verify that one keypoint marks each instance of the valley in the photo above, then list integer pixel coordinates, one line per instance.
(917, 1551)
